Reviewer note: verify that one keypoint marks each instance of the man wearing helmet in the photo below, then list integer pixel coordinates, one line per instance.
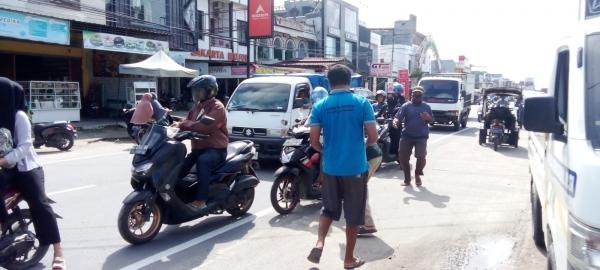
(380, 107)
(210, 152)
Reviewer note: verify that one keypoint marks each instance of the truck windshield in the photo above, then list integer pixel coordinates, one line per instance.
(263, 97)
(592, 86)
(440, 91)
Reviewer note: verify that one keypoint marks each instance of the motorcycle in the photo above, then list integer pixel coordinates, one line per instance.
(296, 178)
(60, 135)
(19, 246)
(137, 132)
(160, 195)
(384, 141)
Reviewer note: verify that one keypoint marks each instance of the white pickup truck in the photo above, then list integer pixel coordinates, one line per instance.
(450, 96)
(564, 152)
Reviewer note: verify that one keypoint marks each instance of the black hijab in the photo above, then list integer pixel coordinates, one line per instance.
(12, 100)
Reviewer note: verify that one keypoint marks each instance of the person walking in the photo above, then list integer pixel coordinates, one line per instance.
(374, 157)
(22, 168)
(343, 118)
(415, 115)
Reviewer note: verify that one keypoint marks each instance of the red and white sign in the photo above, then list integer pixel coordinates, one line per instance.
(403, 78)
(260, 14)
(380, 70)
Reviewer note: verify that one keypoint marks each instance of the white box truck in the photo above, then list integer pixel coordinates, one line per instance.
(564, 153)
(450, 96)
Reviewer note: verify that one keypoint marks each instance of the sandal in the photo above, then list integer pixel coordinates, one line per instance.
(315, 255)
(59, 264)
(358, 262)
(365, 230)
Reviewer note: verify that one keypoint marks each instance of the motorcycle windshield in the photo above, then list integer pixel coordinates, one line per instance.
(155, 137)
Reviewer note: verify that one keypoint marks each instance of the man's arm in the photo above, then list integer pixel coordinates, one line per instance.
(218, 113)
(315, 138)
(371, 134)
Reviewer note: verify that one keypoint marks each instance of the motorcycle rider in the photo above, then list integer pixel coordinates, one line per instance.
(395, 100)
(210, 152)
(380, 106)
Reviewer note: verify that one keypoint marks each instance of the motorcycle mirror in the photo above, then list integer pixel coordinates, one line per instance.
(298, 120)
(207, 120)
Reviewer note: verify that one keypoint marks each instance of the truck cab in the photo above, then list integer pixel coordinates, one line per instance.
(564, 153)
(263, 109)
(449, 97)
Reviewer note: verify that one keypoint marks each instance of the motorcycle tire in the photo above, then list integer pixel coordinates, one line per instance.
(243, 205)
(496, 143)
(66, 141)
(40, 252)
(288, 183)
(131, 212)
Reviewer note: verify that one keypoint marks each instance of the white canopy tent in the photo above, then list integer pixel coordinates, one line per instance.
(158, 65)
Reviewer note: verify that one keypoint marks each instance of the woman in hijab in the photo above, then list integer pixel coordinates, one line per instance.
(23, 168)
(149, 109)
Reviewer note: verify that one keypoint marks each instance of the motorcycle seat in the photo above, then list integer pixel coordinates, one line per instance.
(41, 126)
(233, 149)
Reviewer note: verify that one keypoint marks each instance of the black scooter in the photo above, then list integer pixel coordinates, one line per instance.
(296, 177)
(161, 196)
(384, 140)
(59, 135)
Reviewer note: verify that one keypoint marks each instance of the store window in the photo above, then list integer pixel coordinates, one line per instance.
(200, 24)
(302, 53)
(277, 44)
(152, 11)
(263, 49)
(242, 32)
(290, 50)
(331, 47)
(349, 49)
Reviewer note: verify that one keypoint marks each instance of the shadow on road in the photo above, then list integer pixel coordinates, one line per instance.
(370, 249)
(423, 194)
(175, 235)
(520, 152)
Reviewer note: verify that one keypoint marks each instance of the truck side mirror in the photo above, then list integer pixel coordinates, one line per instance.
(298, 103)
(540, 115)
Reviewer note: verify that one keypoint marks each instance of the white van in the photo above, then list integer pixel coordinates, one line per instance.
(263, 109)
(564, 154)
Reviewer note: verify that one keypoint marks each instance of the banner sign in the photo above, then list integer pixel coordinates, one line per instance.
(404, 79)
(36, 28)
(118, 43)
(260, 18)
(380, 70)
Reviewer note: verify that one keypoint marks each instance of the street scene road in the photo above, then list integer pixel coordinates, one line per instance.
(471, 213)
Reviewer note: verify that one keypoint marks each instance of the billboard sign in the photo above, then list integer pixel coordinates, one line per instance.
(37, 28)
(119, 43)
(380, 70)
(260, 15)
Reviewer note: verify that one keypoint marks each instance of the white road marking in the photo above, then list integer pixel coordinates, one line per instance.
(207, 236)
(448, 136)
(83, 158)
(71, 190)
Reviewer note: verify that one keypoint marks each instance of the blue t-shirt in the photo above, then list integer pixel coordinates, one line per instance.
(342, 116)
(414, 126)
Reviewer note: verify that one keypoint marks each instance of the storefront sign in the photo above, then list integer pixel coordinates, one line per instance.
(89, 11)
(351, 36)
(209, 53)
(260, 13)
(334, 31)
(380, 70)
(215, 54)
(365, 44)
(118, 43)
(238, 71)
(31, 27)
(199, 66)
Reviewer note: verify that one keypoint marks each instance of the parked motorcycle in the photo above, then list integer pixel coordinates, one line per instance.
(19, 246)
(296, 178)
(160, 195)
(59, 135)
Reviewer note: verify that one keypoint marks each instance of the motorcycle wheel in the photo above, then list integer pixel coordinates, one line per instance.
(30, 259)
(244, 204)
(64, 142)
(285, 194)
(132, 226)
(496, 143)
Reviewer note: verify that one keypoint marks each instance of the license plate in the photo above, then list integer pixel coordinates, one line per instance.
(293, 142)
(497, 130)
(139, 150)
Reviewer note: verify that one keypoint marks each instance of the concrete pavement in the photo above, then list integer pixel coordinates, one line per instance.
(471, 213)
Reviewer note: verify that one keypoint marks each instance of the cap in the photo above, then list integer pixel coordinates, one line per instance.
(418, 89)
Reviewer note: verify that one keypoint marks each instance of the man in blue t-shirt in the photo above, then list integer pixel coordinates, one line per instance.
(416, 116)
(343, 117)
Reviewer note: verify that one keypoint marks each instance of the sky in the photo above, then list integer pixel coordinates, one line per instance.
(514, 37)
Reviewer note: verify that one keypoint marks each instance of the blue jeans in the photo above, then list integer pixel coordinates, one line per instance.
(206, 161)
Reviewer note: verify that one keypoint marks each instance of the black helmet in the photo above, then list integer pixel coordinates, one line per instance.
(207, 83)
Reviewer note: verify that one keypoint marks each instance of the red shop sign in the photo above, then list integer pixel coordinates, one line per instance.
(260, 14)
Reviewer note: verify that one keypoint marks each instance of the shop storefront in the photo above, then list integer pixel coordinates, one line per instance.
(35, 51)
(110, 89)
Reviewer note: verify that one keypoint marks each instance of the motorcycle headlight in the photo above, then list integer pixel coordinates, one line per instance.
(142, 169)
(583, 246)
(286, 154)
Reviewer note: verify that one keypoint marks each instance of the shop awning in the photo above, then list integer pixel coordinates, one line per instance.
(158, 65)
